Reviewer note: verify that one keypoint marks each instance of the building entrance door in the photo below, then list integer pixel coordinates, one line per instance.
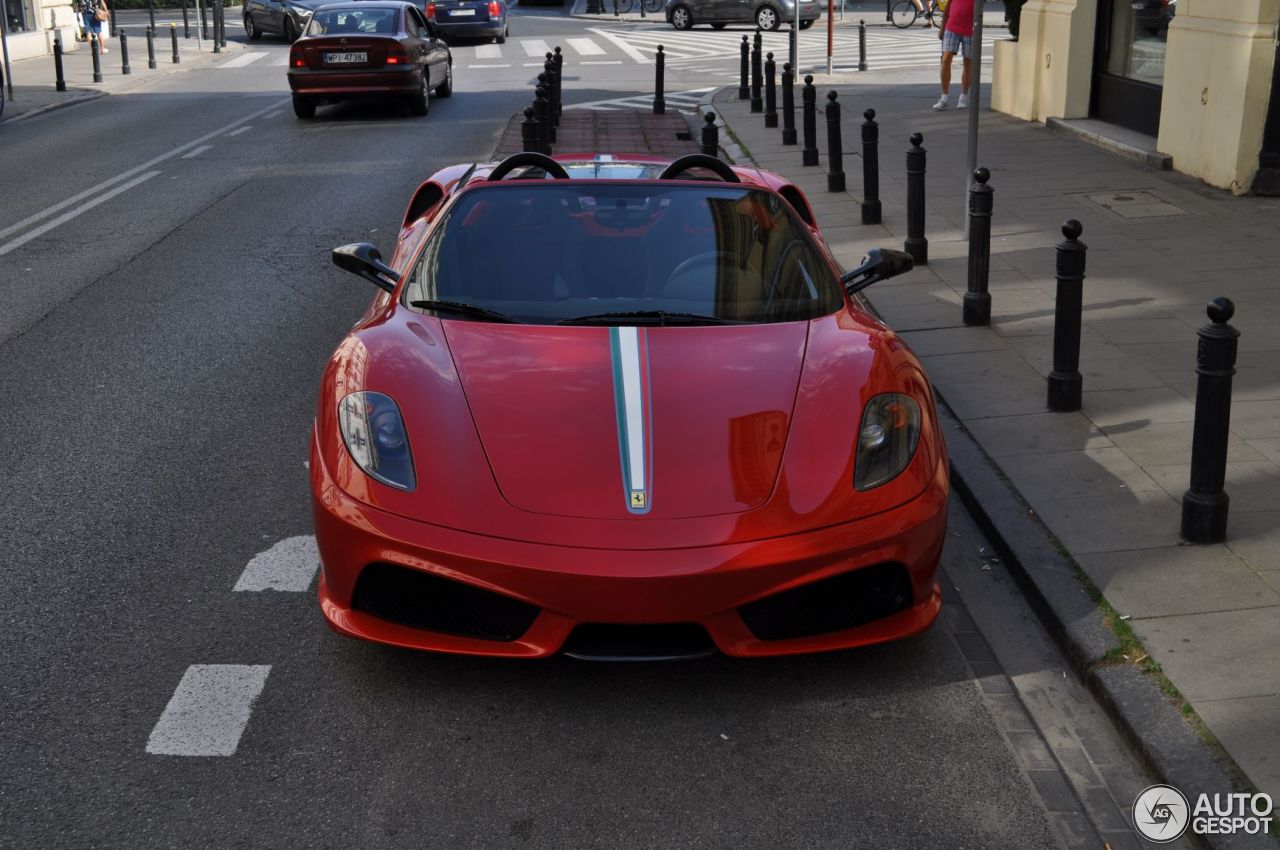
(1128, 62)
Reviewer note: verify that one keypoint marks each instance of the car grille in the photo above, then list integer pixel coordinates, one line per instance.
(645, 642)
(425, 601)
(841, 602)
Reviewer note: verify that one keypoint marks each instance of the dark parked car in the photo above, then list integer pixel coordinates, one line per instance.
(360, 49)
(766, 14)
(278, 17)
(470, 18)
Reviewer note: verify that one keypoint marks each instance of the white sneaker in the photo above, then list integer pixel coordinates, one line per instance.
(963, 102)
(943, 103)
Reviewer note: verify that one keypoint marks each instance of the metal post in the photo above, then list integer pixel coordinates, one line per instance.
(975, 94)
(770, 92)
(744, 90)
(757, 75)
(788, 105)
(151, 49)
(1065, 381)
(809, 102)
(222, 23)
(977, 299)
(793, 40)
(97, 63)
(173, 40)
(204, 19)
(1204, 505)
(870, 168)
(831, 37)
(559, 60)
(217, 42)
(111, 18)
(916, 244)
(151, 14)
(710, 135)
(835, 149)
(862, 45)
(59, 79)
(659, 68)
(124, 54)
(544, 91)
(529, 132)
(186, 21)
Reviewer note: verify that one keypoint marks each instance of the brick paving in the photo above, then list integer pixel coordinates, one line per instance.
(609, 131)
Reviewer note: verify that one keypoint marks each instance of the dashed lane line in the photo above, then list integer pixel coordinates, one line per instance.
(289, 565)
(65, 217)
(192, 154)
(209, 711)
(239, 130)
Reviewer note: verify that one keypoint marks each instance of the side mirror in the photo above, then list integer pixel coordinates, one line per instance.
(879, 264)
(364, 260)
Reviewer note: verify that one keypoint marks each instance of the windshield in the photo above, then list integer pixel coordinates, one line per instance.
(545, 253)
(374, 19)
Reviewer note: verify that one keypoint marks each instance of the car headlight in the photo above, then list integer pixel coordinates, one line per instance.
(887, 439)
(375, 436)
(300, 12)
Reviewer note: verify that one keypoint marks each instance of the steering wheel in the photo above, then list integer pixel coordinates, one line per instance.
(533, 158)
(696, 261)
(699, 160)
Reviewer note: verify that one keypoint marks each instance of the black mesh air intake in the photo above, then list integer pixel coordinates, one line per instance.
(638, 642)
(425, 601)
(841, 602)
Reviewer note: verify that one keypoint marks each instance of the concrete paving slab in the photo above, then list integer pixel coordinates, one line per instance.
(1250, 728)
(1217, 655)
(1037, 434)
(1152, 582)
(1097, 472)
(996, 397)
(1140, 520)
(1136, 408)
(1255, 537)
(1169, 443)
(1252, 486)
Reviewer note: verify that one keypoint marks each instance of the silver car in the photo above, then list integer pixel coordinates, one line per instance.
(766, 14)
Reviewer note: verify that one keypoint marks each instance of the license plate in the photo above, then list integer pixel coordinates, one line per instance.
(345, 58)
(460, 12)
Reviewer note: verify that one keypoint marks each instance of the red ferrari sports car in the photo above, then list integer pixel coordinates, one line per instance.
(621, 407)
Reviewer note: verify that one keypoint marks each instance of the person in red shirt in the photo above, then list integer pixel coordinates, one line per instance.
(957, 37)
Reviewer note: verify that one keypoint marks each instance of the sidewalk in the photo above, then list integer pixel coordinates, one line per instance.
(1106, 481)
(34, 92)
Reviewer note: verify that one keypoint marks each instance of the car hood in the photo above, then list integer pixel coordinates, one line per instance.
(600, 422)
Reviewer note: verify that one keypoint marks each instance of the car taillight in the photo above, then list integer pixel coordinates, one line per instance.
(494, 11)
(397, 55)
(295, 57)
(431, 11)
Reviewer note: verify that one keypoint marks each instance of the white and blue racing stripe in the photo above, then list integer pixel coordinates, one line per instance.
(630, 355)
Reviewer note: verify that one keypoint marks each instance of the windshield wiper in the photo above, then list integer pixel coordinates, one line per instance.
(464, 309)
(649, 317)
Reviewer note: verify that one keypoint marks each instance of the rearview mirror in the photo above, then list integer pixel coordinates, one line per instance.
(879, 264)
(365, 260)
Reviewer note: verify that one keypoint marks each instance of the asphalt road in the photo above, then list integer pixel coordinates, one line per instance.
(161, 350)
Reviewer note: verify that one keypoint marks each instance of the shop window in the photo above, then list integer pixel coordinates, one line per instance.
(1139, 34)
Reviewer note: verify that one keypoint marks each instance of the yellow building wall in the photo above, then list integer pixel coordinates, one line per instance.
(1046, 73)
(1217, 85)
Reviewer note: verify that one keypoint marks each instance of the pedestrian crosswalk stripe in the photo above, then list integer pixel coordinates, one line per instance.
(243, 59)
(620, 42)
(281, 62)
(488, 51)
(535, 47)
(209, 711)
(687, 99)
(586, 47)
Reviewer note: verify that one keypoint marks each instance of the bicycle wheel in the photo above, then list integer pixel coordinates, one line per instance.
(654, 6)
(903, 14)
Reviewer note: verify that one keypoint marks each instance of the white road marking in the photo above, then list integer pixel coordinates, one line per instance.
(209, 711)
(239, 131)
(586, 47)
(195, 153)
(508, 65)
(535, 64)
(282, 62)
(65, 217)
(601, 62)
(535, 47)
(636, 55)
(272, 114)
(290, 565)
(488, 51)
(124, 175)
(244, 59)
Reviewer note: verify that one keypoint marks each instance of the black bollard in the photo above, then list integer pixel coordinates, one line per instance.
(788, 105)
(97, 62)
(710, 135)
(529, 132)
(977, 299)
(862, 45)
(558, 58)
(151, 49)
(112, 22)
(793, 47)
(1065, 381)
(770, 92)
(124, 54)
(186, 21)
(173, 40)
(835, 148)
(59, 79)
(870, 168)
(1204, 505)
(744, 90)
(659, 69)
(549, 125)
(204, 20)
(757, 75)
(220, 26)
(217, 42)
(151, 14)
(809, 101)
(540, 116)
(553, 90)
(915, 244)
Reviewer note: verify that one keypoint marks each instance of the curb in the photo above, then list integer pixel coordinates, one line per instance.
(51, 107)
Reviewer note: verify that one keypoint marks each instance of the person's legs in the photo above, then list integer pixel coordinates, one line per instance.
(945, 74)
(965, 74)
